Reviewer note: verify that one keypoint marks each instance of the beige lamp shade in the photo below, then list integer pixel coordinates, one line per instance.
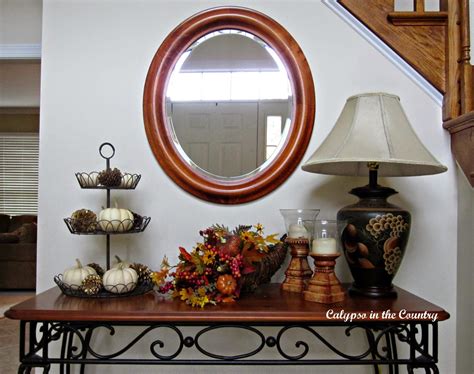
(373, 128)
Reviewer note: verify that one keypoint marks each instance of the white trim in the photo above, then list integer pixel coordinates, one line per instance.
(385, 50)
(20, 51)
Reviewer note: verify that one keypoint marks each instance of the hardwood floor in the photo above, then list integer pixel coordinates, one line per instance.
(9, 344)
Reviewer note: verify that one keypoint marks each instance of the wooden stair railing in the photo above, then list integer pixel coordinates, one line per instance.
(437, 45)
(419, 17)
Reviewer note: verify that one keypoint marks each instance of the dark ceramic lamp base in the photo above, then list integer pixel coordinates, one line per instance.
(373, 292)
(375, 283)
(374, 239)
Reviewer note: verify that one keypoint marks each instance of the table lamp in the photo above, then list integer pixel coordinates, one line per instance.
(373, 136)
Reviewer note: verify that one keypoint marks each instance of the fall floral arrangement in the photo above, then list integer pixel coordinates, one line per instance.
(214, 271)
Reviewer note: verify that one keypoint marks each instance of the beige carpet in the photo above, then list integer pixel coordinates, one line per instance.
(8, 299)
(4, 308)
(9, 346)
(9, 333)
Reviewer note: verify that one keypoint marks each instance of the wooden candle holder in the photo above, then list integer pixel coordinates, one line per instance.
(298, 272)
(324, 287)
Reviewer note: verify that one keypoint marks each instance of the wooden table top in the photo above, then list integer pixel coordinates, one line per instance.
(268, 305)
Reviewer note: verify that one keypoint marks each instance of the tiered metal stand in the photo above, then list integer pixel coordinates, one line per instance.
(107, 228)
(89, 181)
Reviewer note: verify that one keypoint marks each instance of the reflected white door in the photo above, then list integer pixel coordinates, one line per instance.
(277, 108)
(220, 137)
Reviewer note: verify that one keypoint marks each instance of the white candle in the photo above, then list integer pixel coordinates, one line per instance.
(297, 231)
(324, 246)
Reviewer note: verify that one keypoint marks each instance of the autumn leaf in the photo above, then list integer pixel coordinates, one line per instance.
(158, 277)
(250, 254)
(185, 294)
(184, 255)
(165, 264)
(272, 239)
(198, 262)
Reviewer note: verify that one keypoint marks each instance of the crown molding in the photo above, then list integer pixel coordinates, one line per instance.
(20, 51)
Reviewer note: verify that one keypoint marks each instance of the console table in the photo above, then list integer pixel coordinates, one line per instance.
(72, 324)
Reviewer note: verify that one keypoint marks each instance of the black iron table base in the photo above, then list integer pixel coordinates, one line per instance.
(74, 342)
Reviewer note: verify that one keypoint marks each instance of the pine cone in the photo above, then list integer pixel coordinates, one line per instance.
(110, 177)
(137, 220)
(92, 284)
(143, 271)
(84, 220)
(98, 269)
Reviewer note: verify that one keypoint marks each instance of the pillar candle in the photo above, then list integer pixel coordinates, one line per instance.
(297, 231)
(324, 246)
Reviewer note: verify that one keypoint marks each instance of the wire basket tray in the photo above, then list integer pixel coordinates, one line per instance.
(113, 227)
(91, 181)
(75, 291)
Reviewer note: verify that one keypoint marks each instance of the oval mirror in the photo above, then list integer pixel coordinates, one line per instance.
(229, 105)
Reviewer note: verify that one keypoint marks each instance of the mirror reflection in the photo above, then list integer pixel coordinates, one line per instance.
(229, 102)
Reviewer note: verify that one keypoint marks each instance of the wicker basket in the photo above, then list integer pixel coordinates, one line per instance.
(265, 269)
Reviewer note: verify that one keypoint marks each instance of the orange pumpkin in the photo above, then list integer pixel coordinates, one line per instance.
(226, 284)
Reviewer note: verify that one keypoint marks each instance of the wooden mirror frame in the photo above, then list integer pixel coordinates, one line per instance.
(161, 136)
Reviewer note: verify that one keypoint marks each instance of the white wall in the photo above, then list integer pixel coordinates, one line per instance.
(95, 59)
(20, 21)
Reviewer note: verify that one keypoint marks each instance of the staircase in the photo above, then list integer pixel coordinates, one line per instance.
(437, 45)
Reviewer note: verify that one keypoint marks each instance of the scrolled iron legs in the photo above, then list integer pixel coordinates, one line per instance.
(26, 368)
(430, 368)
(31, 359)
(77, 345)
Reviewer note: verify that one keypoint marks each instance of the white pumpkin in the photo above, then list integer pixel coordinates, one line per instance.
(127, 180)
(120, 262)
(120, 279)
(115, 220)
(89, 179)
(75, 275)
